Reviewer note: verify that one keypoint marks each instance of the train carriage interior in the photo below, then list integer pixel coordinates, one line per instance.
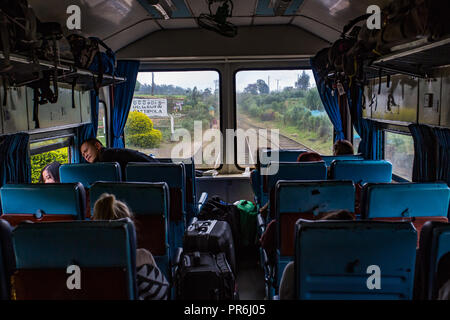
(224, 150)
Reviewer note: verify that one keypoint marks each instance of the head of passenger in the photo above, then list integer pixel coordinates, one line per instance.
(90, 149)
(338, 215)
(309, 157)
(342, 147)
(107, 207)
(50, 173)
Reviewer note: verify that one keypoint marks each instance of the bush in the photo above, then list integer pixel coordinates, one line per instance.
(138, 123)
(39, 161)
(150, 139)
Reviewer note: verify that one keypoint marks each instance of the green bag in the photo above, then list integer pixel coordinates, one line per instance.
(248, 218)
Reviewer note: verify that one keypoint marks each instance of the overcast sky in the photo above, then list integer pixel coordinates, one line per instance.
(278, 79)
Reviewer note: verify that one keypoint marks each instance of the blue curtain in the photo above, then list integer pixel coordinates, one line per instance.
(330, 102)
(15, 165)
(94, 111)
(426, 159)
(371, 136)
(123, 95)
(443, 156)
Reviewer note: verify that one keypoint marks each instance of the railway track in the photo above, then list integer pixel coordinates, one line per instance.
(283, 142)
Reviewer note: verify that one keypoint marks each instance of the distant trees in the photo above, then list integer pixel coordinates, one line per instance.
(302, 81)
(313, 101)
(262, 86)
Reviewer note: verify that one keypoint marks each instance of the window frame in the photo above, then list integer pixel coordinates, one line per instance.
(234, 92)
(183, 68)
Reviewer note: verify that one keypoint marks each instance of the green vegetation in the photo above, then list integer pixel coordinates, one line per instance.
(140, 132)
(39, 161)
(297, 112)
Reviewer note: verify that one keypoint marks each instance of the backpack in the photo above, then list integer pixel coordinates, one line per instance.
(87, 55)
(216, 209)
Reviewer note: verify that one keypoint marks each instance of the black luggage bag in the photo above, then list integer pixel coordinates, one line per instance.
(210, 236)
(204, 276)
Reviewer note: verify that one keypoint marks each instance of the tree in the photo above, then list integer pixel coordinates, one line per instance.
(138, 86)
(262, 86)
(302, 81)
(251, 89)
(313, 101)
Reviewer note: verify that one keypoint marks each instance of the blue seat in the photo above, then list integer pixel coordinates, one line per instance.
(7, 261)
(329, 159)
(104, 251)
(361, 171)
(291, 171)
(43, 202)
(307, 200)
(193, 205)
(264, 157)
(416, 202)
(174, 175)
(332, 259)
(149, 203)
(433, 267)
(88, 173)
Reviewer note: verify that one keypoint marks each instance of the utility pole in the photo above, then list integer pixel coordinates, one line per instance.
(153, 83)
(278, 81)
(268, 82)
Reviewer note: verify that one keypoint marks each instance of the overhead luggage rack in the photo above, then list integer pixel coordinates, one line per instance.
(25, 72)
(420, 61)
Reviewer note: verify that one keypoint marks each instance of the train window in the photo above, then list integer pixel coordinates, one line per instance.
(46, 152)
(286, 100)
(356, 141)
(101, 129)
(399, 150)
(171, 112)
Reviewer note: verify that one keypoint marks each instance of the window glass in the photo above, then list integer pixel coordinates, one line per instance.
(399, 150)
(356, 141)
(285, 100)
(101, 130)
(170, 114)
(46, 152)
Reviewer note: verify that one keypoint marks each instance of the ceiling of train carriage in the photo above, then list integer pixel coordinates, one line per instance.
(121, 22)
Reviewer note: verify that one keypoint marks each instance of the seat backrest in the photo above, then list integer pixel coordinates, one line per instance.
(307, 200)
(43, 202)
(149, 203)
(191, 188)
(171, 173)
(7, 261)
(416, 202)
(104, 252)
(361, 171)
(329, 159)
(280, 155)
(88, 173)
(434, 248)
(294, 171)
(343, 259)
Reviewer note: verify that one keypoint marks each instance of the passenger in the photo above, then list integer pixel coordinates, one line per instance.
(342, 147)
(309, 157)
(151, 283)
(287, 284)
(50, 173)
(93, 150)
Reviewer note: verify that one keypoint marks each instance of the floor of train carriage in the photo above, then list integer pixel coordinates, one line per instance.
(250, 276)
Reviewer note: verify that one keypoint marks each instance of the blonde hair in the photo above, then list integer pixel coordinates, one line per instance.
(107, 207)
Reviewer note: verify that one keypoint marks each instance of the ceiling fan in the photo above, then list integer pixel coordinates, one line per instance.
(217, 22)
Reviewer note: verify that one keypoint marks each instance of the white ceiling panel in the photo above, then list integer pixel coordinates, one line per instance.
(240, 21)
(316, 28)
(138, 31)
(271, 20)
(186, 23)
